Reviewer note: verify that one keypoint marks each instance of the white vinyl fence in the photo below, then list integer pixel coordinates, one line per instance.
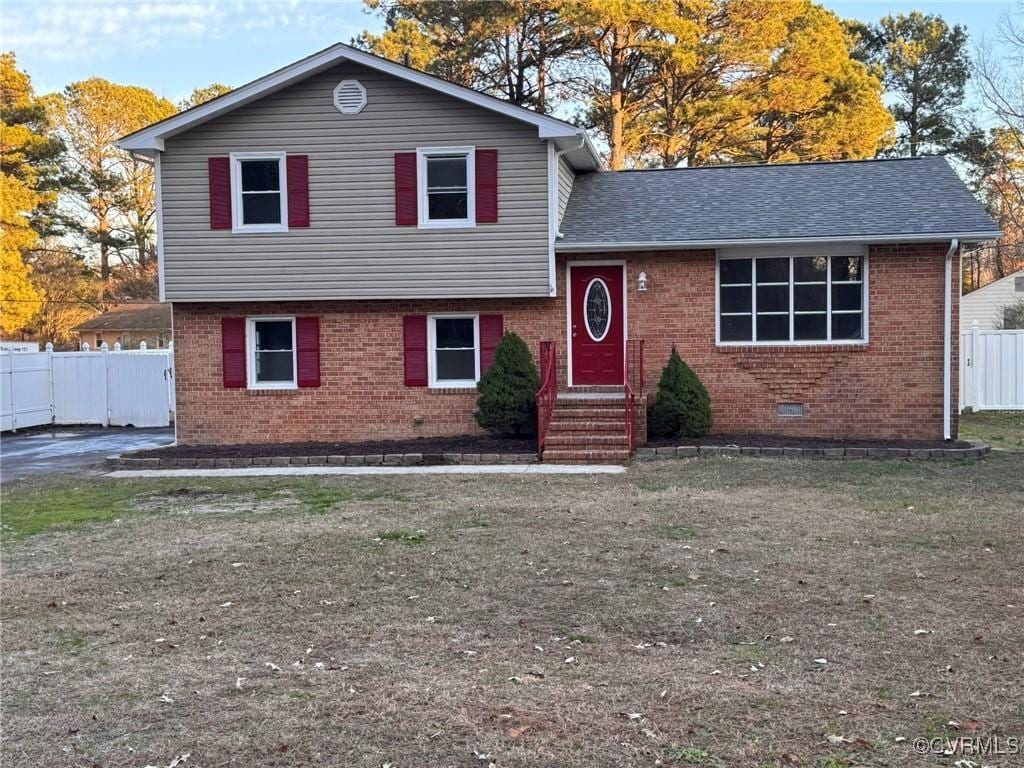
(991, 370)
(112, 388)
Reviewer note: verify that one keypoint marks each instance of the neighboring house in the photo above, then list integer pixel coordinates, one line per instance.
(987, 306)
(345, 240)
(128, 325)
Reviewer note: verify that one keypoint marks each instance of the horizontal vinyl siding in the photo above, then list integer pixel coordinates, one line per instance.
(566, 176)
(985, 305)
(353, 248)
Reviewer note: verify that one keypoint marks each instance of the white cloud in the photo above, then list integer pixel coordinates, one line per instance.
(81, 31)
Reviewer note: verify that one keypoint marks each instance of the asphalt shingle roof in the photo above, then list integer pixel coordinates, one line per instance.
(131, 317)
(870, 199)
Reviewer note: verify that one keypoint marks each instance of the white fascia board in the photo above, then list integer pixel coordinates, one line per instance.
(647, 245)
(151, 139)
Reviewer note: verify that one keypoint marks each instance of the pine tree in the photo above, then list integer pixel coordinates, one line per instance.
(682, 407)
(925, 64)
(507, 402)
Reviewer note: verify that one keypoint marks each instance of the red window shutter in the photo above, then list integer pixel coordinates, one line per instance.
(405, 189)
(414, 340)
(297, 169)
(492, 328)
(307, 351)
(486, 186)
(219, 170)
(232, 341)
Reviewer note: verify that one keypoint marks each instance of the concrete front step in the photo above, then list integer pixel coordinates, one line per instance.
(589, 456)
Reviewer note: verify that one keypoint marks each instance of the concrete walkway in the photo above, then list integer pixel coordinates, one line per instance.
(454, 469)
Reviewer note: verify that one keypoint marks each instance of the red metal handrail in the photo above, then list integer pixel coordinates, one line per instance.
(548, 392)
(634, 361)
(629, 407)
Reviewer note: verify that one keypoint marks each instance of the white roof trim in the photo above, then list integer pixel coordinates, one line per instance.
(648, 245)
(150, 140)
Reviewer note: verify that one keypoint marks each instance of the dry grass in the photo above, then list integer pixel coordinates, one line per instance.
(574, 621)
(1001, 429)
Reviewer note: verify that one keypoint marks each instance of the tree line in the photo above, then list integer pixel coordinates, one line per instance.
(662, 83)
(78, 214)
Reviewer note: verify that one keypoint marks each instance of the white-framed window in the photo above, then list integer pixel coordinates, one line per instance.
(446, 187)
(271, 352)
(453, 350)
(812, 299)
(259, 192)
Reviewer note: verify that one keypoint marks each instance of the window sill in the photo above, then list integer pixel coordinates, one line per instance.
(259, 391)
(777, 347)
(258, 229)
(452, 390)
(447, 225)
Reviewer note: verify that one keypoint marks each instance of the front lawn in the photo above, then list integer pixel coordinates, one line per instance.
(715, 612)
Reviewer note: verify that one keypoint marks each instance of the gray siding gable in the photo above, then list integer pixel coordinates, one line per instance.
(353, 248)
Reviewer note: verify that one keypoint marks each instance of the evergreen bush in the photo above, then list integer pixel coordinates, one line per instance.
(507, 405)
(682, 407)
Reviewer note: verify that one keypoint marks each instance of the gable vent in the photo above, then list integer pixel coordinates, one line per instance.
(350, 97)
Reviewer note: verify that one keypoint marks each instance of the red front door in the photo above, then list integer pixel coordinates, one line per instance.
(596, 323)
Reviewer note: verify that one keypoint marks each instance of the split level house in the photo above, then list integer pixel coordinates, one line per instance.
(345, 241)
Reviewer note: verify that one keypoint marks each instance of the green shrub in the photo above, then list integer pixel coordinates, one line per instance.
(682, 407)
(507, 402)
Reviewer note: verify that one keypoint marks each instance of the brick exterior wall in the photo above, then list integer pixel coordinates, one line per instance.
(888, 388)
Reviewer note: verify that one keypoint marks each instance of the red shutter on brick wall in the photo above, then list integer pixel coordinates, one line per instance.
(232, 340)
(486, 186)
(492, 328)
(219, 171)
(297, 167)
(405, 189)
(307, 351)
(414, 341)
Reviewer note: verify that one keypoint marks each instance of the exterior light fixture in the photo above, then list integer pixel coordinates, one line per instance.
(641, 282)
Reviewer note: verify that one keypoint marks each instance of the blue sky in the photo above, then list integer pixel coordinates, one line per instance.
(172, 47)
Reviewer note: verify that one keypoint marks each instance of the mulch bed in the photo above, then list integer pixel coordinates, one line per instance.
(462, 444)
(781, 441)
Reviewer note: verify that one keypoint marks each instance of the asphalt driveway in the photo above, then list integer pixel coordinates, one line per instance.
(72, 449)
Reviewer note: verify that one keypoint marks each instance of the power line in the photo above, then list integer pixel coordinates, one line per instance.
(79, 301)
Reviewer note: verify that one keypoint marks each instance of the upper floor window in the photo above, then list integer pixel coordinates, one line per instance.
(446, 191)
(259, 192)
(792, 300)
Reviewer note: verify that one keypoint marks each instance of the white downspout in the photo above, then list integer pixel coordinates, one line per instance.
(947, 343)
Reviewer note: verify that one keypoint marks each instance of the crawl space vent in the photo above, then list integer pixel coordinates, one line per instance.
(791, 409)
(350, 97)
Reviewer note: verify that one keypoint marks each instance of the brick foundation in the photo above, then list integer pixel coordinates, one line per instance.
(890, 388)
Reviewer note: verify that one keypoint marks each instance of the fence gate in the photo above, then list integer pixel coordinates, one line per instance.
(25, 390)
(992, 370)
(137, 390)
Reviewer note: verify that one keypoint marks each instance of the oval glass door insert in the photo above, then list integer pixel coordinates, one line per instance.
(597, 309)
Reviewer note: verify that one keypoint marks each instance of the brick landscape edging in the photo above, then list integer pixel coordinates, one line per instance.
(976, 451)
(377, 459)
